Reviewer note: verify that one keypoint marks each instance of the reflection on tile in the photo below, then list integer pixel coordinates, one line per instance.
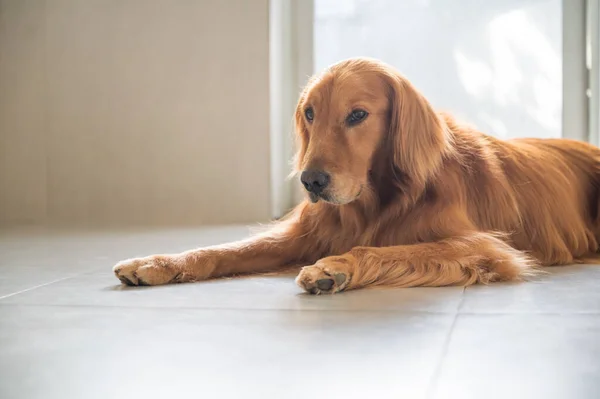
(522, 356)
(86, 352)
(252, 292)
(35, 256)
(564, 289)
(42, 247)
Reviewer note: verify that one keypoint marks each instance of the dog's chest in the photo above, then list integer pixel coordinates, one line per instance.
(344, 231)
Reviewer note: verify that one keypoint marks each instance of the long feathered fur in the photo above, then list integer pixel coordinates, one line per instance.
(422, 198)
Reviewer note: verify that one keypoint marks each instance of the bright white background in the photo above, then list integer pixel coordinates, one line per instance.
(496, 63)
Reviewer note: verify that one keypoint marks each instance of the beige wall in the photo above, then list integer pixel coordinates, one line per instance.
(129, 112)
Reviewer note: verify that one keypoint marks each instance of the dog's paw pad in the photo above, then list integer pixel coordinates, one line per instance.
(325, 284)
(340, 278)
(320, 280)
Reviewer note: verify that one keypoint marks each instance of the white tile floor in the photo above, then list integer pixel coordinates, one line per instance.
(68, 329)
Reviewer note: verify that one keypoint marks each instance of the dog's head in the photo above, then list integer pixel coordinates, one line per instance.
(358, 110)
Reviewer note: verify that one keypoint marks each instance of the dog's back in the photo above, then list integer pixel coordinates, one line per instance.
(543, 192)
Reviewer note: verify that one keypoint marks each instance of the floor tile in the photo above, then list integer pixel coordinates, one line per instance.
(69, 329)
(61, 352)
(565, 289)
(522, 357)
(252, 292)
(36, 256)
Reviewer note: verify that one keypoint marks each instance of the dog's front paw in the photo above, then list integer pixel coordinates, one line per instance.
(327, 276)
(151, 270)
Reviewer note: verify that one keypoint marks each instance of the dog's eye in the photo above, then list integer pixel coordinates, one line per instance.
(356, 116)
(309, 114)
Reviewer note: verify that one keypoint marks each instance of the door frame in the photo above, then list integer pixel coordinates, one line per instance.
(291, 64)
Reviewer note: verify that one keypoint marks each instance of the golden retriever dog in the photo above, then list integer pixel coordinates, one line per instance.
(400, 195)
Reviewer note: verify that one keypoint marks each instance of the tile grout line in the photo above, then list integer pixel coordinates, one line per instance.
(438, 368)
(37, 286)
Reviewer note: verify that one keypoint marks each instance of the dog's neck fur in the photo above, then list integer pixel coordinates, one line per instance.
(388, 198)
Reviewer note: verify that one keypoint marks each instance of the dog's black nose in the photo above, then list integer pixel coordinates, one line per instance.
(314, 181)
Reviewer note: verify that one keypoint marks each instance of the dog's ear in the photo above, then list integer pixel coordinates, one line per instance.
(301, 133)
(419, 137)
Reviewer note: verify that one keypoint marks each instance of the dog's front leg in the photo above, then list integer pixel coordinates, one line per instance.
(284, 244)
(470, 258)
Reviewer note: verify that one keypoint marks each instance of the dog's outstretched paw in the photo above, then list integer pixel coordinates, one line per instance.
(327, 276)
(152, 270)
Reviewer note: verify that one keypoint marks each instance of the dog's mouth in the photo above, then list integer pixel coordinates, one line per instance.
(314, 198)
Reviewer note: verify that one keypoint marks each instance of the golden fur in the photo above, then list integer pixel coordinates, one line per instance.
(415, 198)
